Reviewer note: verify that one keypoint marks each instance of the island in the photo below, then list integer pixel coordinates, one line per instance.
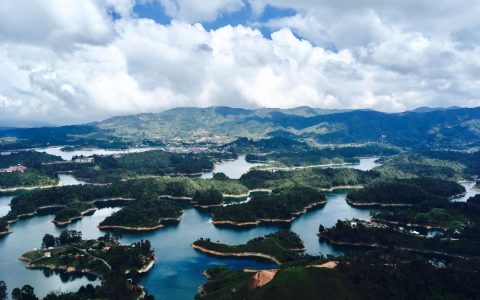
(143, 215)
(405, 192)
(104, 257)
(279, 247)
(281, 205)
(72, 212)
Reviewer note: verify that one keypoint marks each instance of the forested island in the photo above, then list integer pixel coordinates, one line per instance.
(325, 156)
(281, 205)
(405, 192)
(279, 247)
(143, 215)
(104, 257)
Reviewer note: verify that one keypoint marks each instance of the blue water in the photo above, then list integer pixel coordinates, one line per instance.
(178, 272)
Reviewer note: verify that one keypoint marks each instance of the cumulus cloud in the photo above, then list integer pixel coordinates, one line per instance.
(73, 61)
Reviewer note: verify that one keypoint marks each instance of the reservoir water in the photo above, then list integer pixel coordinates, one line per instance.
(232, 168)
(67, 155)
(178, 272)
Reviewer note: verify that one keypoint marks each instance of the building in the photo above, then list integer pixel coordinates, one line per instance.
(14, 169)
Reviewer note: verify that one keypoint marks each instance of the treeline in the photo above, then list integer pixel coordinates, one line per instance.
(412, 191)
(316, 177)
(29, 178)
(281, 204)
(283, 245)
(139, 189)
(73, 210)
(375, 236)
(277, 144)
(30, 159)
(144, 214)
(418, 165)
(451, 216)
(107, 169)
(336, 155)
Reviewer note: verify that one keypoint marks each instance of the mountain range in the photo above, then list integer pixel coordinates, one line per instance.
(454, 127)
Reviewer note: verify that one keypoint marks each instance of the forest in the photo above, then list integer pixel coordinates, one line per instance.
(282, 205)
(411, 191)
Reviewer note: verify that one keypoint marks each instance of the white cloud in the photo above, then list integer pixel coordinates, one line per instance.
(72, 62)
(200, 11)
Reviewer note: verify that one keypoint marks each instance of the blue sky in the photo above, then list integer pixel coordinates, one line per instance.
(244, 16)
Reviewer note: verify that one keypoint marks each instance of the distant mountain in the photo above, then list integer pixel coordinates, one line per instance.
(425, 109)
(453, 128)
(7, 123)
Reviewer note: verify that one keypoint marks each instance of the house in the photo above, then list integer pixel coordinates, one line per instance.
(83, 160)
(14, 169)
(47, 254)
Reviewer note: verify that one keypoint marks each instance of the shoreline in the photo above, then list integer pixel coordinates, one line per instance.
(76, 218)
(379, 246)
(428, 227)
(376, 204)
(130, 228)
(240, 254)
(342, 187)
(28, 188)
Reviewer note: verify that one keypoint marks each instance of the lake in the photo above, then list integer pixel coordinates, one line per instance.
(178, 273)
(232, 168)
(471, 191)
(68, 155)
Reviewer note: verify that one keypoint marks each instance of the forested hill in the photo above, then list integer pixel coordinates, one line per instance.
(438, 128)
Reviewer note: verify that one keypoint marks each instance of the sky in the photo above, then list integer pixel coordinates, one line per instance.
(73, 61)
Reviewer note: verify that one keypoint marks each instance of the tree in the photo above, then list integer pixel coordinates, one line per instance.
(48, 241)
(27, 293)
(70, 236)
(16, 293)
(3, 290)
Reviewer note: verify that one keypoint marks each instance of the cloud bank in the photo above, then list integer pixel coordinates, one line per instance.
(75, 61)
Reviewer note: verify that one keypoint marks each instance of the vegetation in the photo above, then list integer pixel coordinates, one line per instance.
(413, 191)
(449, 216)
(315, 177)
(373, 275)
(139, 189)
(143, 214)
(417, 165)
(110, 168)
(71, 211)
(337, 155)
(281, 205)
(283, 246)
(3, 290)
(105, 257)
(30, 159)
(344, 232)
(208, 197)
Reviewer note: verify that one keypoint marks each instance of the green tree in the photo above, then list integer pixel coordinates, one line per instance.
(3, 290)
(27, 293)
(70, 236)
(16, 293)
(48, 241)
